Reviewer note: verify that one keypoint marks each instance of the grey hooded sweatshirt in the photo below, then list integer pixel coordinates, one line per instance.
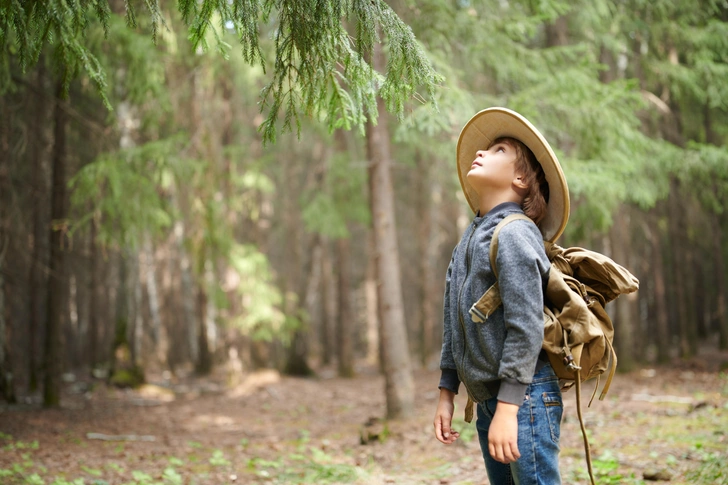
(497, 357)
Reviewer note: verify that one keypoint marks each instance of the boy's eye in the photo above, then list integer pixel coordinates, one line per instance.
(501, 149)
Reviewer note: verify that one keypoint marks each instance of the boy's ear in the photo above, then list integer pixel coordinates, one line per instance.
(519, 181)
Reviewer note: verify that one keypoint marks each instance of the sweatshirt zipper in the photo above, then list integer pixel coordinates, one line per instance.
(460, 294)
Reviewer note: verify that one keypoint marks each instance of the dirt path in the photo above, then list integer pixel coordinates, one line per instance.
(285, 430)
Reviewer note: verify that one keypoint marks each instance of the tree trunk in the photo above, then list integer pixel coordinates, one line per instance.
(313, 301)
(624, 330)
(328, 322)
(204, 357)
(701, 299)
(679, 282)
(120, 355)
(720, 284)
(7, 387)
(721, 313)
(345, 346)
(39, 185)
(399, 383)
(187, 296)
(94, 309)
(557, 32)
(135, 297)
(425, 241)
(297, 356)
(150, 270)
(54, 318)
(663, 327)
(372, 305)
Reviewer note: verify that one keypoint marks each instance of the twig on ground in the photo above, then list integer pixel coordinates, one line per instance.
(121, 437)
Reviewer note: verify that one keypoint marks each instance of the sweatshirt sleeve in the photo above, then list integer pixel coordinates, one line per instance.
(449, 378)
(522, 264)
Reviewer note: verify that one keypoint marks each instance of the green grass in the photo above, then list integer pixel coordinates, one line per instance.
(692, 444)
(305, 465)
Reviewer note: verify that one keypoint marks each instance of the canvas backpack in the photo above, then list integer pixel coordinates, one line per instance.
(578, 332)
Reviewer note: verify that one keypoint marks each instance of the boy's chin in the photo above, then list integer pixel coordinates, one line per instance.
(475, 181)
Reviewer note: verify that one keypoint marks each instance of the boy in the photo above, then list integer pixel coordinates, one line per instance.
(505, 166)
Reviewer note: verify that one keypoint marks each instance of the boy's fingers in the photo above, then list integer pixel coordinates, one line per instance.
(438, 428)
(504, 453)
(445, 430)
(514, 451)
(493, 452)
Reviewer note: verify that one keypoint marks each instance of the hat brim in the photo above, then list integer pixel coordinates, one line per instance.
(493, 123)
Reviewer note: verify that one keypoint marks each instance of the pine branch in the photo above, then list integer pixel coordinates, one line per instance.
(318, 70)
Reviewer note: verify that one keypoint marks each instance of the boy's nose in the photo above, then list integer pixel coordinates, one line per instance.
(480, 154)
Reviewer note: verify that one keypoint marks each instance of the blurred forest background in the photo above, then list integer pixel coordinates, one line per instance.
(169, 204)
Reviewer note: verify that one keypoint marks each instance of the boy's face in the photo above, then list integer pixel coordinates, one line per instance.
(494, 168)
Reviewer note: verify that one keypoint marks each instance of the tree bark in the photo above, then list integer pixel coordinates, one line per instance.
(345, 346)
(720, 284)
(7, 387)
(204, 357)
(150, 269)
(425, 241)
(297, 355)
(94, 300)
(679, 281)
(663, 326)
(39, 186)
(120, 352)
(557, 32)
(399, 383)
(328, 322)
(372, 305)
(187, 297)
(624, 330)
(54, 318)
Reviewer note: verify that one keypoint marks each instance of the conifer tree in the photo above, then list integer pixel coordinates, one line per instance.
(318, 66)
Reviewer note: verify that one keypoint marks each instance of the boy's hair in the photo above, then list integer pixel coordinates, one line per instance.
(537, 195)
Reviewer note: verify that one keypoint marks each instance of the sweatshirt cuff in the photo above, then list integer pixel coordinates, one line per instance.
(449, 380)
(512, 391)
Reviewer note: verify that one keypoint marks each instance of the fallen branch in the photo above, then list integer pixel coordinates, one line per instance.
(121, 437)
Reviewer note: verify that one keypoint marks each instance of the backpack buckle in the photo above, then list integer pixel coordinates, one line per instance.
(569, 363)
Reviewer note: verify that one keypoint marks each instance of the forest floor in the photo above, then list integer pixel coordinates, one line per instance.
(668, 423)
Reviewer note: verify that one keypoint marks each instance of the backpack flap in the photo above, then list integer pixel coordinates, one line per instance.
(601, 273)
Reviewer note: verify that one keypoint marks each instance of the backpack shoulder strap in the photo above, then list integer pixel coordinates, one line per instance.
(494, 241)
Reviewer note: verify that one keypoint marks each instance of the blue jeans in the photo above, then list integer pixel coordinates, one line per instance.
(539, 425)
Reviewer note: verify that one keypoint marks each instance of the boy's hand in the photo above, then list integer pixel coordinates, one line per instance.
(503, 433)
(443, 418)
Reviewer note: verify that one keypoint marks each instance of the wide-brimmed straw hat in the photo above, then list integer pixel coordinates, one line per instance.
(493, 123)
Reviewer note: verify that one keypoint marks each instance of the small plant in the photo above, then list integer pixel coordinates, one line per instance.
(218, 459)
(171, 476)
(78, 481)
(141, 478)
(34, 479)
(92, 471)
(605, 469)
(713, 470)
